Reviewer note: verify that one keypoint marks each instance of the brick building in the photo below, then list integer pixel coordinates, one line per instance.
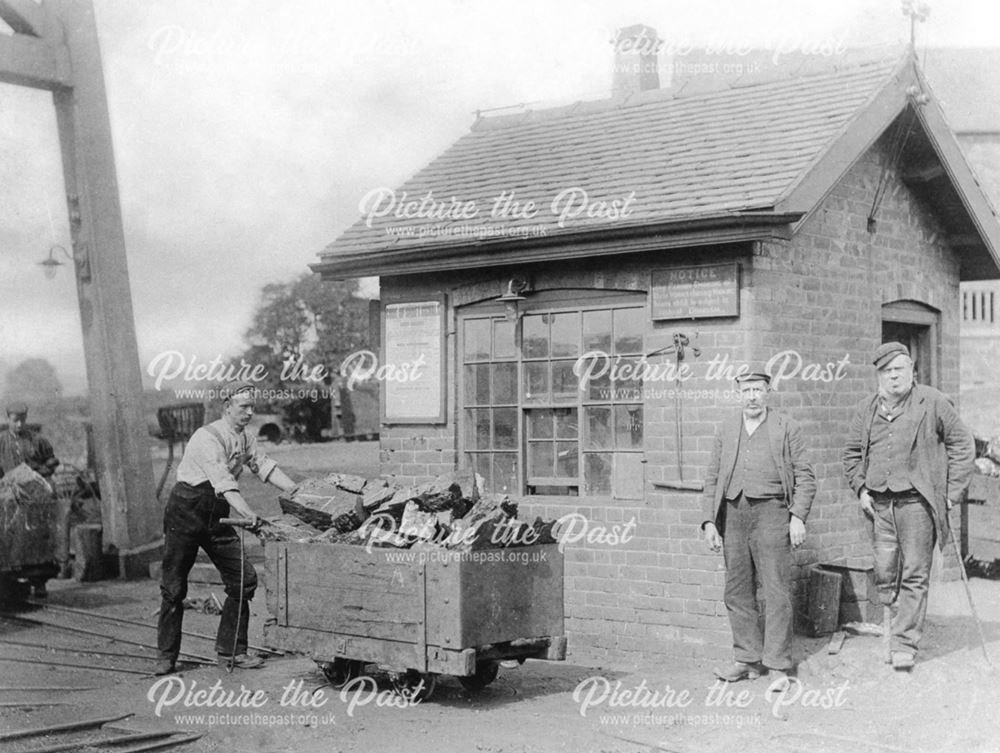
(577, 287)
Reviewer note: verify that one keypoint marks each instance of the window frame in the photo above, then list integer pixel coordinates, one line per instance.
(553, 302)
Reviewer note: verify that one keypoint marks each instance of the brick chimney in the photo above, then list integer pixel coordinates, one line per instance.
(636, 65)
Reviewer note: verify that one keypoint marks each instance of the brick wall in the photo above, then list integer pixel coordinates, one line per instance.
(820, 295)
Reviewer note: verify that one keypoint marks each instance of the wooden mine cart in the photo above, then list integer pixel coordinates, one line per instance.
(417, 614)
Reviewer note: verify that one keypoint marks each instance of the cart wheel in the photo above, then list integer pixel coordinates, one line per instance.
(413, 685)
(341, 671)
(486, 672)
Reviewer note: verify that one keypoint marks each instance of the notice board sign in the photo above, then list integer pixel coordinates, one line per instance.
(413, 371)
(699, 292)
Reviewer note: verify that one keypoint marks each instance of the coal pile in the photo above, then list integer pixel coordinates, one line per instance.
(449, 512)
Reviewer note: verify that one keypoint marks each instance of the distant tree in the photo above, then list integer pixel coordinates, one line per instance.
(307, 323)
(33, 381)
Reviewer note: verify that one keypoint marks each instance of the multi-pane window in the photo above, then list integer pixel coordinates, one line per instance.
(534, 422)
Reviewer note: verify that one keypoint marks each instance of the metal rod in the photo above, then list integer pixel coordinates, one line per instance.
(968, 593)
(31, 704)
(123, 621)
(75, 666)
(19, 734)
(31, 621)
(45, 689)
(98, 652)
(116, 740)
(162, 744)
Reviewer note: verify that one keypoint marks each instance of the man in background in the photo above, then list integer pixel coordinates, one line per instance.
(21, 445)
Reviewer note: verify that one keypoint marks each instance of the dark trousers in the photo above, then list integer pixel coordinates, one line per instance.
(191, 520)
(903, 545)
(756, 546)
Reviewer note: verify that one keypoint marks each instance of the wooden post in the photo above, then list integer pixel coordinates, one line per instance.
(55, 47)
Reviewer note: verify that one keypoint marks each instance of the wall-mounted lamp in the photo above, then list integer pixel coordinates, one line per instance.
(79, 258)
(512, 298)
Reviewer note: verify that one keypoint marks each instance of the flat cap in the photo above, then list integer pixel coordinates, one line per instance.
(754, 376)
(886, 352)
(16, 409)
(233, 389)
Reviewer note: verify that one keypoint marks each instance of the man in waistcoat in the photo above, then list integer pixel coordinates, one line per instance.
(758, 491)
(207, 489)
(908, 459)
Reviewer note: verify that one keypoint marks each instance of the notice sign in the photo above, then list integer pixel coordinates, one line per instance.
(700, 292)
(412, 386)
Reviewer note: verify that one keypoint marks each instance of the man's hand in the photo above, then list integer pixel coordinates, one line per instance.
(866, 502)
(797, 531)
(712, 537)
(948, 504)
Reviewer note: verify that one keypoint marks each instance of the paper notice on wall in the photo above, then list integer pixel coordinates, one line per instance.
(413, 374)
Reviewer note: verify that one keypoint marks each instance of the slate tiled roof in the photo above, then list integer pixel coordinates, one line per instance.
(679, 155)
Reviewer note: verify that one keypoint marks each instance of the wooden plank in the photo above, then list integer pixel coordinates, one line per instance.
(37, 64)
(399, 655)
(339, 588)
(23, 16)
(496, 595)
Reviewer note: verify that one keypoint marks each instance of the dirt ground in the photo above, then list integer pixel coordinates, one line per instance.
(851, 702)
(847, 702)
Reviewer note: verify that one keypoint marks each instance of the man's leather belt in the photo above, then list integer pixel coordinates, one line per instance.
(899, 498)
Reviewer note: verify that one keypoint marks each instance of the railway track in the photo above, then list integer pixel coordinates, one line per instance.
(93, 734)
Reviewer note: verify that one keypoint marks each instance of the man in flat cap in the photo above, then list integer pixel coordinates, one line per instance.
(758, 491)
(908, 459)
(21, 445)
(207, 488)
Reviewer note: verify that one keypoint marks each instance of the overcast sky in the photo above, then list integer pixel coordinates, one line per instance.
(246, 132)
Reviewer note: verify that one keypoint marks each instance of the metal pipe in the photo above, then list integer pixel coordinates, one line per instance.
(75, 666)
(19, 734)
(123, 621)
(30, 621)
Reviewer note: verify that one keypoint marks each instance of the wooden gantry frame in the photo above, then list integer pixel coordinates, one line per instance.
(55, 48)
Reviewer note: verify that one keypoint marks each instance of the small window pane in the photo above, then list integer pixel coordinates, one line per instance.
(599, 387)
(628, 388)
(597, 473)
(628, 427)
(471, 442)
(567, 460)
(505, 428)
(597, 331)
(505, 473)
(629, 326)
(480, 464)
(540, 424)
(477, 339)
(566, 423)
(477, 384)
(540, 459)
(598, 428)
(565, 334)
(535, 336)
(536, 382)
(504, 383)
(482, 429)
(503, 339)
(564, 382)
